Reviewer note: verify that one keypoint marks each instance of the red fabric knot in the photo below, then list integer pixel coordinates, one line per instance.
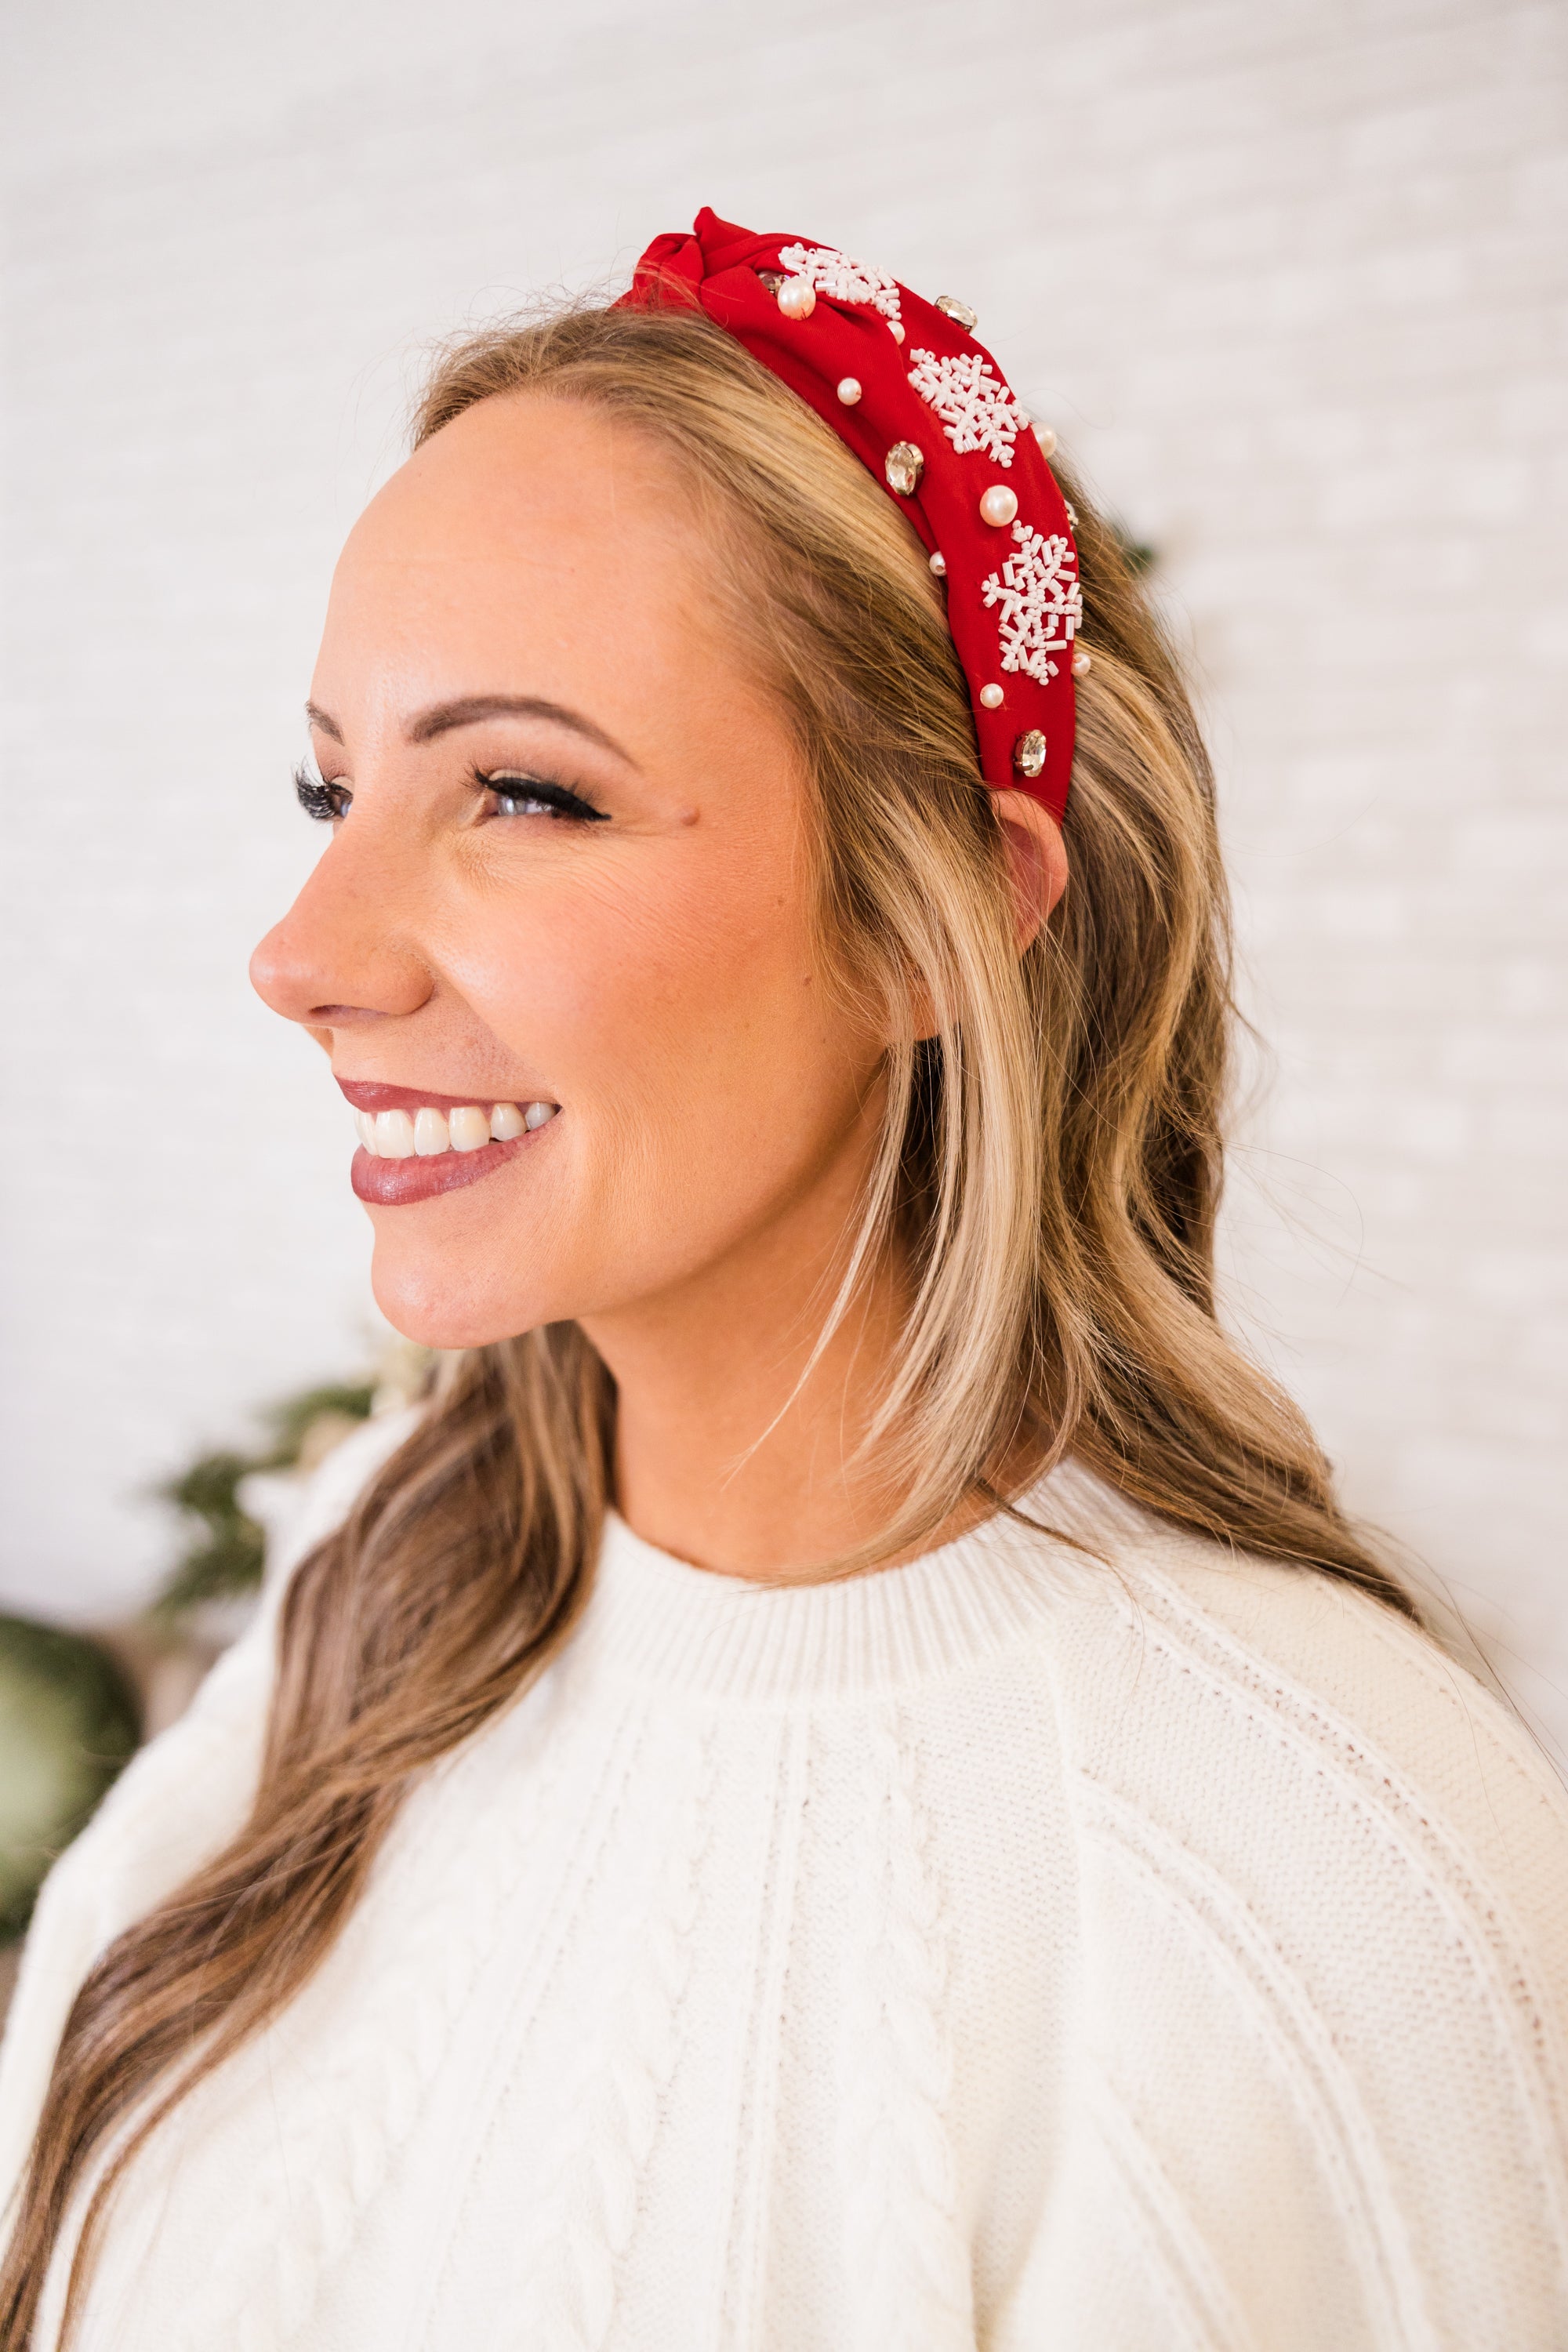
(926, 385)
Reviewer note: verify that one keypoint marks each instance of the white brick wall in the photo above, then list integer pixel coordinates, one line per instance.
(1291, 281)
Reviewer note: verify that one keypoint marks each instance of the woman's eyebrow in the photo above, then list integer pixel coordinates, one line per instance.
(442, 717)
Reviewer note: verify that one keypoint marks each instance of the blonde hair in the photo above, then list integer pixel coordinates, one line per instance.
(1047, 1177)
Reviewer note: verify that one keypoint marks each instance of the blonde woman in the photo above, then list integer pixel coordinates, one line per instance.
(845, 1782)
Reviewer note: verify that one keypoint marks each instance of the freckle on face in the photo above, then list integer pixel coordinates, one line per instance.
(646, 972)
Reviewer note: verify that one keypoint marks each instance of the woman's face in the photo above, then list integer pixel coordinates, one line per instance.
(572, 875)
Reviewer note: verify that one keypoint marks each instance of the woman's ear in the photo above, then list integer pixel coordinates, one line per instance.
(1037, 871)
(1037, 860)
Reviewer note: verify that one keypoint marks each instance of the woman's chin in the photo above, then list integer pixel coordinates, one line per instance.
(437, 1307)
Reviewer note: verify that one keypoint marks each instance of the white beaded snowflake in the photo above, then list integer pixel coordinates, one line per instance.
(841, 279)
(976, 409)
(1040, 600)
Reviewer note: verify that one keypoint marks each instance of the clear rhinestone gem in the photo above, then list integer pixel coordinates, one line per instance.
(1030, 753)
(903, 466)
(959, 312)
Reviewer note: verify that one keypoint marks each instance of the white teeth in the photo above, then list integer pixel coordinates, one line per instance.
(471, 1130)
(394, 1135)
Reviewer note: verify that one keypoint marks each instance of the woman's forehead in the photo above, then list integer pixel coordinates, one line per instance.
(532, 549)
(519, 477)
(524, 522)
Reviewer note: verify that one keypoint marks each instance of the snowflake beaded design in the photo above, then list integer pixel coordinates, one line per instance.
(976, 409)
(1041, 601)
(841, 279)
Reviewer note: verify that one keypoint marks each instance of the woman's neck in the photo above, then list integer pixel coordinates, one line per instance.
(718, 1459)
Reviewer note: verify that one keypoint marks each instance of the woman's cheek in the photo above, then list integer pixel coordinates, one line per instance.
(657, 984)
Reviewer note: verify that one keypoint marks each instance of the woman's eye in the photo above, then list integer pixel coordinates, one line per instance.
(323, 801)
(520, 795)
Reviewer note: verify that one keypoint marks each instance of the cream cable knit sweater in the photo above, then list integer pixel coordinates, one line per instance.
(1004, 1950)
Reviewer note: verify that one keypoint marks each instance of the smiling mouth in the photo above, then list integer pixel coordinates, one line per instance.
(414, 1145)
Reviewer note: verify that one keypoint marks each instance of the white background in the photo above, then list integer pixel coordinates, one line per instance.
(1288, 280)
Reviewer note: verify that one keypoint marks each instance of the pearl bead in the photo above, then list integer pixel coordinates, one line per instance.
(939, 564)
(1046, 440)
(1082, 664)
(991, 696)
(1030, 753)
(797, 298)
(896, 329)
(999, 505)
(850, 390)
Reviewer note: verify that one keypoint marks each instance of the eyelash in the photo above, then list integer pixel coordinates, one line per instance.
(556, 799)
(318, 799)
(327, 802)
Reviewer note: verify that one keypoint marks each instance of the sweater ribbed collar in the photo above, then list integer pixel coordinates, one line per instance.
(661, 1621)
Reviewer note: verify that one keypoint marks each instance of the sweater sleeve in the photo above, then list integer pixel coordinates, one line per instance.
(176, 1805)
(1321, 2069)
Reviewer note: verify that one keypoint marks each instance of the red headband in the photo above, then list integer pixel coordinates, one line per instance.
(928, 411)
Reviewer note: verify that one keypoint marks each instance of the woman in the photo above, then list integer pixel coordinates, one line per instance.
(847, 1783)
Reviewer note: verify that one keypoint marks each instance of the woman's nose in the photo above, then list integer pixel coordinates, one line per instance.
(345, 951)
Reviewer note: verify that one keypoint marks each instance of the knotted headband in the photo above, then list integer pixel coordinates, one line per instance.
(928, 411)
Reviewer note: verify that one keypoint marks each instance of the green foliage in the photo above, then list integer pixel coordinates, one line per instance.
(68, 1720)
(227, 1552)
(291, 1421)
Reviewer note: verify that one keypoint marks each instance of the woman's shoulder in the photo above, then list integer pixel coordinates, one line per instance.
(1318, 1669)
(175, 1804)
(185, 1784)
(1239, 1724)
(1320, 1926)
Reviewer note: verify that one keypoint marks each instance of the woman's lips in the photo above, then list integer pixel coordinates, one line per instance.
(416, 1142)
(392, 1182)
(371, 1094)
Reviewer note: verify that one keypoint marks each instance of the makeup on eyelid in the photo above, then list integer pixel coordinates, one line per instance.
(329, 799)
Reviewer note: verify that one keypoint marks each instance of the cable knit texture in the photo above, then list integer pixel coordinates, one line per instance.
(1018, 1949)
